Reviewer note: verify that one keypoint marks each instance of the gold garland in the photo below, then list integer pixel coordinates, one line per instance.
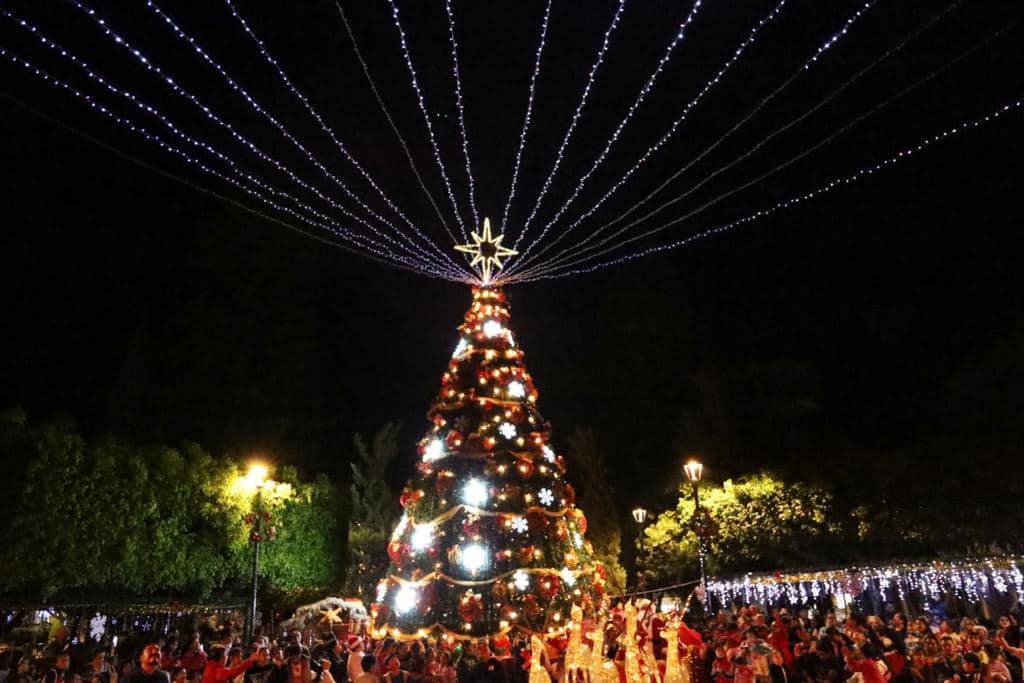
(435, 575)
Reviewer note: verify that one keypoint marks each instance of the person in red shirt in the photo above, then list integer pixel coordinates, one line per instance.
(865, 662)
(217, 672)
(192, 658)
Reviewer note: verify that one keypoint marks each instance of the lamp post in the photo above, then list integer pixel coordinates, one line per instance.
(694, 469)
(639, 516)
(257, 478)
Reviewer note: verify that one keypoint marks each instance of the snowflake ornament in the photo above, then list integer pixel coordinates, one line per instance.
(516, 389)
(546, 497)
(508, 430)
(521, 580)
(549, 454)
(520, 525)
(97, 627)
(462, 424)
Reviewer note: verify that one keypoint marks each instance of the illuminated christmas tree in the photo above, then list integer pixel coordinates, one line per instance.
(490, 539)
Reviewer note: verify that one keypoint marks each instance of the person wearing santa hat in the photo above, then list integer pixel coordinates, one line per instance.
(355, 657)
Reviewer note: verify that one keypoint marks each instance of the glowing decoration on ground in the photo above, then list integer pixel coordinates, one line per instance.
(487, 251)
(516, 389)
(406, 599)
(545, 497)
(473, 558)
(422, 537)
(568, 577)
(508, 430)
(521, 580)
(475, 493)
(97, 627)
(435, 450)
(520, 525)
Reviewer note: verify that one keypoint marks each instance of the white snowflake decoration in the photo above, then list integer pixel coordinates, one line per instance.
(549, 454)
(521, 580)
(475, 493)
(435, 450)
(462, 424)
(97, 627)
(492, 328)
(520, 524)
(568, 578)
(546, 497)
(508, 430)
(516, 389)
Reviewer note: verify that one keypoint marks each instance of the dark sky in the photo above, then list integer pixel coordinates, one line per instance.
(881, 321)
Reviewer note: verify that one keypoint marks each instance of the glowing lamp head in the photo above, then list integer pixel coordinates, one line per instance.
(406, 599)
(474, 558)
(694, 469)
(639, 515)
(256, 477)
(475, 493)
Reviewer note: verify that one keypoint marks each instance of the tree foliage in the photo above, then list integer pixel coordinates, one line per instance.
(373, 512)
(594, 496)
(111, 517)
(756, 523)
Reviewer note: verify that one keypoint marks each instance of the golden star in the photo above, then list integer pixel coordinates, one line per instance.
(330, 616)
(487, 251)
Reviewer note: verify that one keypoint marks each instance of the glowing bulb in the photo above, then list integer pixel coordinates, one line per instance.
(492, 328)
(508, 430)
(435, 450)
(521, 580)
(549, 454)
(577, 539)
(406, 599)
(460, 349)
(568, 578)
(474, 558)
(516, 389)
(475, 493)
(422, 536)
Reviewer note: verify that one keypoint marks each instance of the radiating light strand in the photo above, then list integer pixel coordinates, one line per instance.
(913, 34)
(426, 117)
(460, 107)
(256, 106)
(641, 96)
(330, 131)
(391, 121)
(575, 118)
(387, 256)
(793, 201)
(528, 116)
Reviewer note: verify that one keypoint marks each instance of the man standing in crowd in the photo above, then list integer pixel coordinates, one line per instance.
(149, 670)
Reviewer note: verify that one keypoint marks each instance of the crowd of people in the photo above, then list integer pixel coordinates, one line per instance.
(746, 645)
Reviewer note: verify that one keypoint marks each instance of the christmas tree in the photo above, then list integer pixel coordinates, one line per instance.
(490, 539)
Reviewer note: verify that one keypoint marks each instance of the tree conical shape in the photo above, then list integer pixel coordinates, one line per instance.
(490, 539)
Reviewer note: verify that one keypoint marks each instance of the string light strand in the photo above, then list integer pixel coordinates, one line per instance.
(460, 107)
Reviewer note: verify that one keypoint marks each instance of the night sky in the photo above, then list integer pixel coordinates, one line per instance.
(881, 322)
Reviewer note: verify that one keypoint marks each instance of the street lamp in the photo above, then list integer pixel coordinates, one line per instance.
(256, 477)
(639, 516)
(694, 469)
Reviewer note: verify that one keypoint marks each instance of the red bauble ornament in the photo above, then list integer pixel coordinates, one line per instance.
(471, 607)
(530, 607)
(525, 467)
(526, 554)
(395, 550)
(454, 439)
(549, 586)
(560, 461)
(404, 498)
(581, 521)
(561, 530)
(471, 527)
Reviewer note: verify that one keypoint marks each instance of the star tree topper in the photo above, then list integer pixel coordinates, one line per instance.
(487, 251)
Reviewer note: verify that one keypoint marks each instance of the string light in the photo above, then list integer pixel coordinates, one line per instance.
(903, 154)
(459, 105)
(575, 118)
(391, 121)
(751, 37)
(475, 493)
(406, 599)
(426, 117)
(491, 329)
(516, 389)
(251, 101)
(824, 141)
(644, 91)
(330, 131)
(383, 256)
(422, 536)
(474, 558)
(527, 117)
(153, 111)
(435, 450)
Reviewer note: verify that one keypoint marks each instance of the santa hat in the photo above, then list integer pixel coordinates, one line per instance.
(354, 641)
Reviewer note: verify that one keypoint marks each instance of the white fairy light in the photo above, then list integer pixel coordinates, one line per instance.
(460, 349)
(406, 599)
(422, 536)
(508, 430)
(549, 454)
(475, 493)
(577, 539)
(527, 117)
(521, 580)
(545, 497)
(903, 154)
(644, 91)
(435, 450)
(491, 328)
(329, 131)
(426, 116)
(473, 558)
(460, 107)
(559, 155)
(520, 525)
(516, 389)
(382, 591)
